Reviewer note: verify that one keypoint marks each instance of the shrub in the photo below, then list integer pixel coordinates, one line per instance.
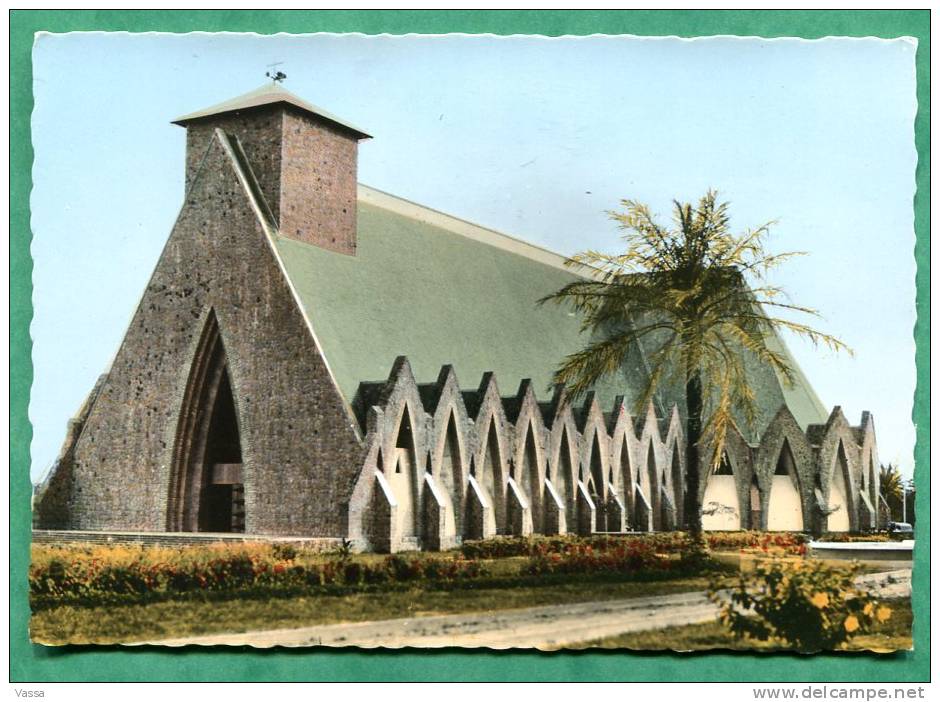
(806, 605)
(404, 569)
(627, 557)
(102, 574)
(499, 547)
(660, 542)
(353, 573)
(376, 576)
(284, 551)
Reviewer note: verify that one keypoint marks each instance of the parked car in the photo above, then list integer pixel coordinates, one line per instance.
(900, 528)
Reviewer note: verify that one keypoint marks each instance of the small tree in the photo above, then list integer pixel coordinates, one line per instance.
(696, 293)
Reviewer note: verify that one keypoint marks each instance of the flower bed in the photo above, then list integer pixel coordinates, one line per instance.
(92, 575)
(790, 543)
(662, 542)
(628, 558)
(89, 575)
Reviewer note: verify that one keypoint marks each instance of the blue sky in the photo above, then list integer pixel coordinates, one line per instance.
(535, 137)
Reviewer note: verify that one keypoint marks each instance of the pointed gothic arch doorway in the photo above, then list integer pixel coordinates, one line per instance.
(207, 491)
(720, 504)
(451, 470)
(840, 504)
(678, 488)
(563, 479)
(405, 477)
(491, 478)
(595, 485)
(528, 477)
(785, 506)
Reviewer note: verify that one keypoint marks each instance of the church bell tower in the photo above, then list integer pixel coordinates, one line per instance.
(305, 161)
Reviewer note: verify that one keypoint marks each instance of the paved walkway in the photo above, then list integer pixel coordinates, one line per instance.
(548, 627)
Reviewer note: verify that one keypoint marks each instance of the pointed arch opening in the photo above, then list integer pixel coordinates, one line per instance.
(404, 437)
(491, 473)
(528, 475)
(785, 506)
(720, 503)
(724, 467)
(627, 486)
(450, 476)
(654, 487)
(595, 484)
(641, 515)
(529, 462)
(627, 477)
(785, 463)
(678, 485)
(562, 481)
(207, 491)
(839, 504)
(596, 463)
(404, 478)
(451, 465)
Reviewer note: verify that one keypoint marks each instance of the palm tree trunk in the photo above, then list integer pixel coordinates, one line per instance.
(693, 464)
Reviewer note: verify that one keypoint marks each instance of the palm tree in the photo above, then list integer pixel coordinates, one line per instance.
(696, 294)
(891, 487)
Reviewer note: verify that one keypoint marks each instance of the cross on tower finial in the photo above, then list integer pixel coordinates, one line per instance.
(275, 76)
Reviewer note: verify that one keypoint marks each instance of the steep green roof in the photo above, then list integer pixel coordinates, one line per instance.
(442, 291)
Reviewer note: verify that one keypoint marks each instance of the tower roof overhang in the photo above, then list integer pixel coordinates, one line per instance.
(271, 94)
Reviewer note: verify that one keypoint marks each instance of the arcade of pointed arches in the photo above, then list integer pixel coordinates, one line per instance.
(551, 468)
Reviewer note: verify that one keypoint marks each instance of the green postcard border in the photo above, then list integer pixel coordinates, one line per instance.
(30, 662)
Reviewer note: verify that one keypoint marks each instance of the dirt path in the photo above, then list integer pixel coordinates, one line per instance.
(546, 627)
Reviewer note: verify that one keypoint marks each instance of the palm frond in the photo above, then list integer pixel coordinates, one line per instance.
(696, 294)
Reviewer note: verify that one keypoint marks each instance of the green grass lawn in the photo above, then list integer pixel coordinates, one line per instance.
(893, 635)
(169, 619)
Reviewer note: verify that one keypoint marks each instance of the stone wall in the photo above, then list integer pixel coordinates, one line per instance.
(305, 167)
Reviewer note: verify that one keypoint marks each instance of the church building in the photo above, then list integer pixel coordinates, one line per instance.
(315, 358)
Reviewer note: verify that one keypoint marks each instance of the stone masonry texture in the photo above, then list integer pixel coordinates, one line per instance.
(300, 448)
(305, 165)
